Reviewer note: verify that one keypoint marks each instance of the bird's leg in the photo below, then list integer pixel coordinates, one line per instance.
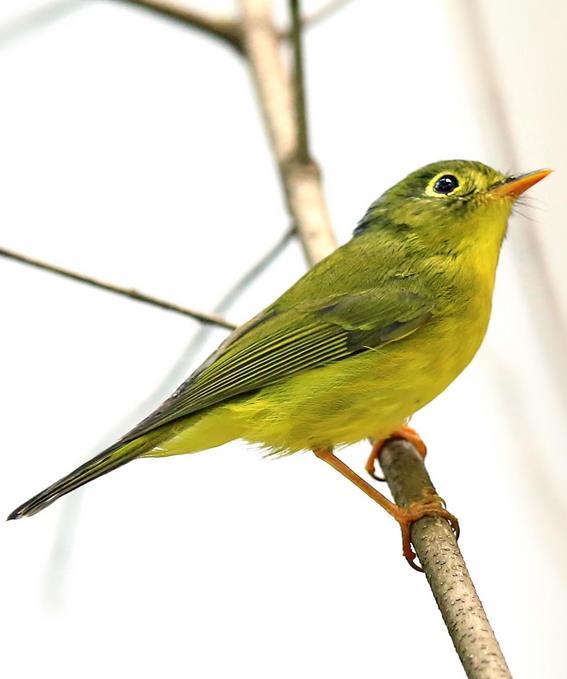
(430, 505)
(406, 433)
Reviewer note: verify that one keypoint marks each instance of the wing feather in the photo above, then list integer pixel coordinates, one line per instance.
(281, 343)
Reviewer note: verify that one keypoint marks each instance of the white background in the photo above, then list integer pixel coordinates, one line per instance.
(132, 150)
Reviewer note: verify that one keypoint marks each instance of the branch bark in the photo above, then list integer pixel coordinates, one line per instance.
(445, 568)
(202, 317)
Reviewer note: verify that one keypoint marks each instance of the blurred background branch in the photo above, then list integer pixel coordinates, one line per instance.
(223, 28)
(227, 29)
(38, 18)
(540, 292)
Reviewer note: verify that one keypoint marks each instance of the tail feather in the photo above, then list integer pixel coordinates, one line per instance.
(112, 458)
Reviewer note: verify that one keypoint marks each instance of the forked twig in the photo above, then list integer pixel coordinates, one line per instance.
(225, 29)
(300, 180)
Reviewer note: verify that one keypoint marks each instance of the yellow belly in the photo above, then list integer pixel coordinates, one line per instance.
(371, 394)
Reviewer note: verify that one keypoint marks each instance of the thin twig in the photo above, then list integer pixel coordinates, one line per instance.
(303, 155)
(247, 278)
(324, 12)
(225, 29)
(202, 317)
(433, 538)
(242, 284)
(39, 17)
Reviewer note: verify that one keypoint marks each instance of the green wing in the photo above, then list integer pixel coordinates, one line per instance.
(281, 342)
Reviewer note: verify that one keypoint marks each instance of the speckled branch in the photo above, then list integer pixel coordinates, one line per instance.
(445, 568)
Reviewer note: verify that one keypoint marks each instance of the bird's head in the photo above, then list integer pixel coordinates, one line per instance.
(451, 203)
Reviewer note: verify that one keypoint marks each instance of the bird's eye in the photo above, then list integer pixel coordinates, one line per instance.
(446, 184)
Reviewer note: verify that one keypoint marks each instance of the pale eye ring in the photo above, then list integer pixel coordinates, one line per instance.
(446, 184)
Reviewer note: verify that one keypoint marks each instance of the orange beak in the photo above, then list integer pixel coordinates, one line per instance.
(514, 186)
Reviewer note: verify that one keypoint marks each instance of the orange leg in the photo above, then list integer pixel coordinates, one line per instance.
(430, 505)
(406, 433)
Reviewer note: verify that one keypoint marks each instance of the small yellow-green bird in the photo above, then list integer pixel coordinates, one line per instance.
(360, 343)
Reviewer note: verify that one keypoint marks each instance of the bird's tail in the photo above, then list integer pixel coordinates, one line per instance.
(111, 458)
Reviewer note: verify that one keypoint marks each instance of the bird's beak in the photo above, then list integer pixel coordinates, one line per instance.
(513, 186)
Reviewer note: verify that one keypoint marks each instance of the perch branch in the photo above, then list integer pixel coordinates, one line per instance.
(405, 472)
(202, 317)
(445, 568)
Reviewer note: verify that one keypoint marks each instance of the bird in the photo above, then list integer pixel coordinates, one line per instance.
(355, 347)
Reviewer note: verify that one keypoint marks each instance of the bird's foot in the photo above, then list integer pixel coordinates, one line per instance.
(405, 433)
(430, 505)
